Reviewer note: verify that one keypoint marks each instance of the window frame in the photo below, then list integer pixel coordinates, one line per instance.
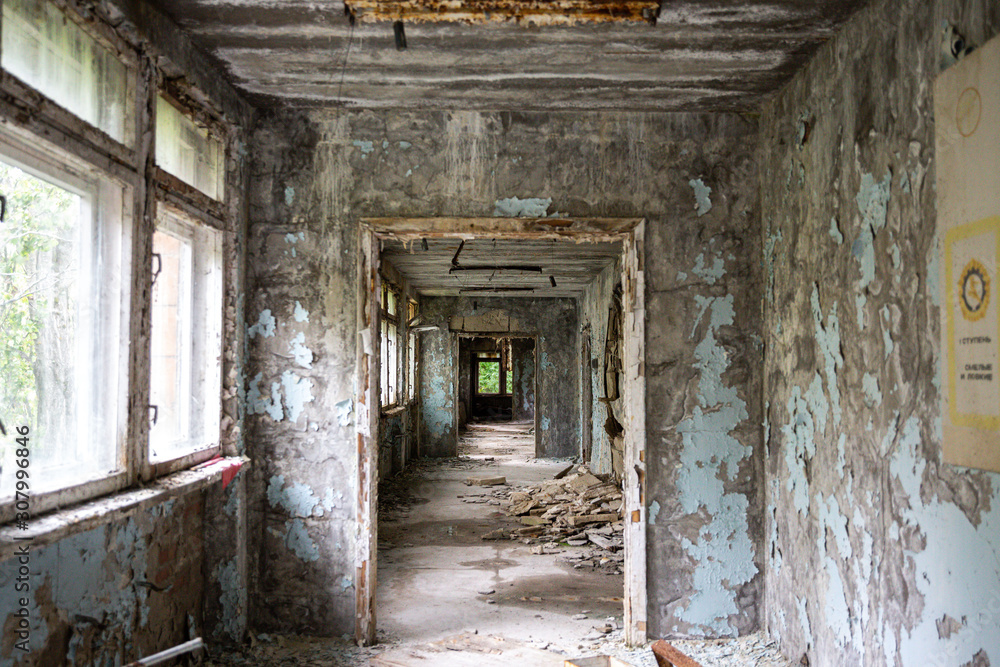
(158, 468)
(38, 157)
(216, 131)
(107, 37)
(389, 368)
(412, 351)
(131, 165)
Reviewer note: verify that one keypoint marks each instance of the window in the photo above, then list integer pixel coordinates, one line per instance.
(51, 53)
(62, 271)
(488, 373)
(188, 151)
(389, 345)
(186, 346)
(411, 352)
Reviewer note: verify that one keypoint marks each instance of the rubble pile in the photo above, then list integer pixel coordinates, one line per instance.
(574, 509)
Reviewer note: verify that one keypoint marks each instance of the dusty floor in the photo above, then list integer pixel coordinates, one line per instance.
(438, 578)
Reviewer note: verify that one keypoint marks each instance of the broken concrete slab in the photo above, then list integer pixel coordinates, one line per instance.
(486, 481)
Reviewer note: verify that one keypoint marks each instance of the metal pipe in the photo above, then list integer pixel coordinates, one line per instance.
(163, 656)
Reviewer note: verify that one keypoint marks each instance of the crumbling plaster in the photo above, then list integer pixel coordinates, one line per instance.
(346, 165)
(877, 553)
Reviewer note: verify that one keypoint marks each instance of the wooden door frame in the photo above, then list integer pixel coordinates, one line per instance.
(630, 231)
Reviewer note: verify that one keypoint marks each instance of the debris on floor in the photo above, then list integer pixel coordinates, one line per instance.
(469, 648)
(574, 509)
(486, 481)
(273, 650)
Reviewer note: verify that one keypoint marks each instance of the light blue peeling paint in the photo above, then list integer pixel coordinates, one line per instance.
(835, 231)
(873, 395)
(404, 145)
(385, 144)
(545, 362)
(298, 392)
(654, 511)
(297, 540)
(712, 273)
(873, 200)
(289, 195)
(265, 326)
(233, 599)
(723, 552)
(512, 207)
(800, 448)
(702, 196)
(343, 410)
(545, 423)
(956, 572)
(297, 499)
(302, 355)
(300, 314)
(365, 146)
(828, 339)
(887, 331)
(258, 404)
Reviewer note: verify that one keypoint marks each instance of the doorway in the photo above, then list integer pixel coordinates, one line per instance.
(629, 233)
(496, 387)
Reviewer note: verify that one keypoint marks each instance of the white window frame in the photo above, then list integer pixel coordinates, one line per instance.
(112, 213)
(179, 223)
(389, 362)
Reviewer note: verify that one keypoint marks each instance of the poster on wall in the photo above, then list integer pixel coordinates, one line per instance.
(967, 143)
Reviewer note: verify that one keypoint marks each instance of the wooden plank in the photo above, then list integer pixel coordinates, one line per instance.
(668, 656)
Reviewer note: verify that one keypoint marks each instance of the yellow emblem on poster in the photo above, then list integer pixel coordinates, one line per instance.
(974, 291)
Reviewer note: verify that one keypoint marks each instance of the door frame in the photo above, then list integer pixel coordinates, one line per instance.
(630, 231)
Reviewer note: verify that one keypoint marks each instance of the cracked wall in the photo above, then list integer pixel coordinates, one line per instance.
(346, 165)
(877, 553)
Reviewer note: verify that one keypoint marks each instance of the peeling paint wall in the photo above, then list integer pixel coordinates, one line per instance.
(877, 553)
(111, 594)
(346, 165)
(553, 321)
(703, 358)
(522, 352)
(594, 307)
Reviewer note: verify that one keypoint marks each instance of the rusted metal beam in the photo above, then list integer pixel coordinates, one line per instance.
(537, 12)
(487, 268)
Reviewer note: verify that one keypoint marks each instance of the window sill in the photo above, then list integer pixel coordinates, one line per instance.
(393, 410)
(56, 525)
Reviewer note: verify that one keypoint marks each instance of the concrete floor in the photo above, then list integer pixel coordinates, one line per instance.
(436, 574)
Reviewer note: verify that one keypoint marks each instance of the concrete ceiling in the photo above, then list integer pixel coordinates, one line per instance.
(701, 55)
(572, 265)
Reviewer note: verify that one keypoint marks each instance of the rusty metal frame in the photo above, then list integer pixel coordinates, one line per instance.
(630, 231)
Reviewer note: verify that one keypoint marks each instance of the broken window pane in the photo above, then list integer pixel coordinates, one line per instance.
(60, 307)
(186, 345)
(51, 53)
(187, 151)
